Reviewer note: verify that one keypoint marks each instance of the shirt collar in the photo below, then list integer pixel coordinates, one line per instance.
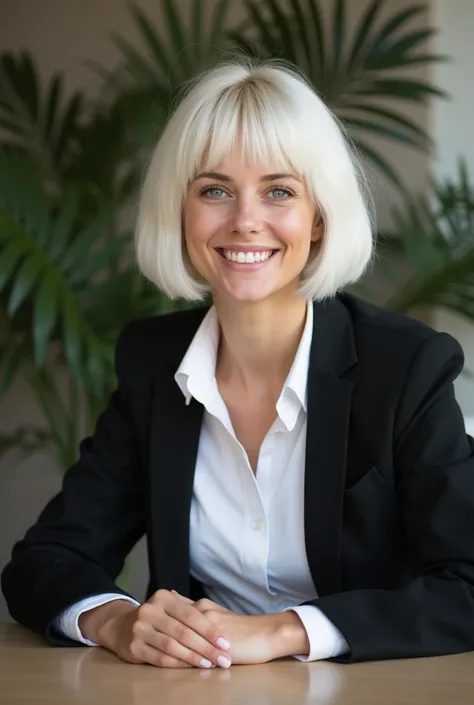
(197, 371)
(196, 376)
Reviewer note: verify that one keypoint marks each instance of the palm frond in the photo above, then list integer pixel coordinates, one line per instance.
(43, 126)
(437, 235)
(348, 69)
(149, 77)
(46, 275)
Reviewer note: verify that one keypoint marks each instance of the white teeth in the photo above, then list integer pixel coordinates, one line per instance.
(246, 257)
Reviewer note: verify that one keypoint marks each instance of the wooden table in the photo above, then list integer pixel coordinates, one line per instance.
(31, 671)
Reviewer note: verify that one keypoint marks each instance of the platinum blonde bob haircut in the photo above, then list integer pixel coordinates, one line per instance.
(278, 117)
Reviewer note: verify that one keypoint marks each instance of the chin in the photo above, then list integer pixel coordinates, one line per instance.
(247, 296)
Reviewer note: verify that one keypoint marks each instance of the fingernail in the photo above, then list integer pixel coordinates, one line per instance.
(223, 662)
(223, 643)
(205, 663)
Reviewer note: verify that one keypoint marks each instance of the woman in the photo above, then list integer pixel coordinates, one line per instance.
(295, 456)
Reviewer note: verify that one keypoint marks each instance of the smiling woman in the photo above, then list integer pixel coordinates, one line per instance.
(262, 118)
(295, 456)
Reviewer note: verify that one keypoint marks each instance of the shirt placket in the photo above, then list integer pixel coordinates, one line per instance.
(256, 530)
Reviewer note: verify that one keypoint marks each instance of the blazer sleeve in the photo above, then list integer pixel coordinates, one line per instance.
(80, 541)
(434, 464)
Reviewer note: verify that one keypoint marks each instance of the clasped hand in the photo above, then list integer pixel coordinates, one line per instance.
(172, 631)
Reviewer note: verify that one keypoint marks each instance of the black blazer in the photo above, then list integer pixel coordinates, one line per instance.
(389, 485)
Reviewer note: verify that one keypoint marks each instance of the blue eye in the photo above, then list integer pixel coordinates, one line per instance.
(283, 194)
(211, 192)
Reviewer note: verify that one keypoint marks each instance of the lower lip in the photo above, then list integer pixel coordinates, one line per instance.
(243, 266)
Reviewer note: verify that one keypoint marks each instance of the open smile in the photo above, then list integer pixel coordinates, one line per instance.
(245, 258)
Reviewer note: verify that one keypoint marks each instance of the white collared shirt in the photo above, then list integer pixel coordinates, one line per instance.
(247, 544)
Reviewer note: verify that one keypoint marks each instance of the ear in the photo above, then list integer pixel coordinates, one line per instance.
(318, 227)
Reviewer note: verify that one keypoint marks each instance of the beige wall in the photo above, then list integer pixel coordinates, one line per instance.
(62, 34)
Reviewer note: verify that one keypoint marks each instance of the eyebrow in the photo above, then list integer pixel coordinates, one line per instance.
(225, 177)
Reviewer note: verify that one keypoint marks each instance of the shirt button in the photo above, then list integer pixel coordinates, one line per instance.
(257, 525)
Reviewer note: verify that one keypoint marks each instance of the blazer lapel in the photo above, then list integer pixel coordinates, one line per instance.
(329, 400)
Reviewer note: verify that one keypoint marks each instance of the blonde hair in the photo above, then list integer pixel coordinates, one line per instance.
(277, 115)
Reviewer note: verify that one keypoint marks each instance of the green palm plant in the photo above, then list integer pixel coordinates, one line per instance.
(357, 72)
(146, 81)
(41, 123)
(435, 234)
(66, 290)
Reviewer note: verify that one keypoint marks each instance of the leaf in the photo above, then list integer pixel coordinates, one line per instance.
(318, 28)
(301, 26)
(442, 258)
(68, 128)
(285, 35)
(25, 279)
(377, 128)
(72, 340)
(217, 25)
(393, 24)
(394, 117)
(177, 34)
(196, 24)
(153, 42)
(399, 88)
(45, 315)
(338, 23)
(97, 261)
(359, 46)
(83, 243)
(61, 230)
(136, 64)
(10, 257)
(52, 104)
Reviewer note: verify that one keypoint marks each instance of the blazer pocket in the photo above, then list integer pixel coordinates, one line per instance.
(365, 488)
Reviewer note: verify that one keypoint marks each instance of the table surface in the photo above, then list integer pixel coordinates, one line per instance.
(32, 671)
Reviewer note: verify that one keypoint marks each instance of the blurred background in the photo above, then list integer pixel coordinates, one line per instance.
(85, 89)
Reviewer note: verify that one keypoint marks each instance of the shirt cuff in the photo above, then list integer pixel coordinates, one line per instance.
(325, 640)
(68, 621)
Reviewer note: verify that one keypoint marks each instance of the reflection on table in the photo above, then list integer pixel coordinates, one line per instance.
(31, 671)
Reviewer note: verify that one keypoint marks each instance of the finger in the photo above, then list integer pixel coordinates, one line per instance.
(179, 640)
(177, 650)
(186, 599)
(153, 656)
(190, 617)
(203, 604)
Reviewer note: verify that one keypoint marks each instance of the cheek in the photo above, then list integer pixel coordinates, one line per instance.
(294, 228)
(200, 224)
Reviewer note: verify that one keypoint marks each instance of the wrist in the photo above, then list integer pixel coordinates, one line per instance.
(97, 624)
(290, 637)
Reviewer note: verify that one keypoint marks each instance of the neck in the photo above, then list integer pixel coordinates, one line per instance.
(259, 342)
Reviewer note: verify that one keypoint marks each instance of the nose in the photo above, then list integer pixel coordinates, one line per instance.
(247, 215)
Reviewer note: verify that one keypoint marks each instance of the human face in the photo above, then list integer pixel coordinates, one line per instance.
(249, 228)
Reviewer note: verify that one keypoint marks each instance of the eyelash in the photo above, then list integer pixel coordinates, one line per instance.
(205, 191)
